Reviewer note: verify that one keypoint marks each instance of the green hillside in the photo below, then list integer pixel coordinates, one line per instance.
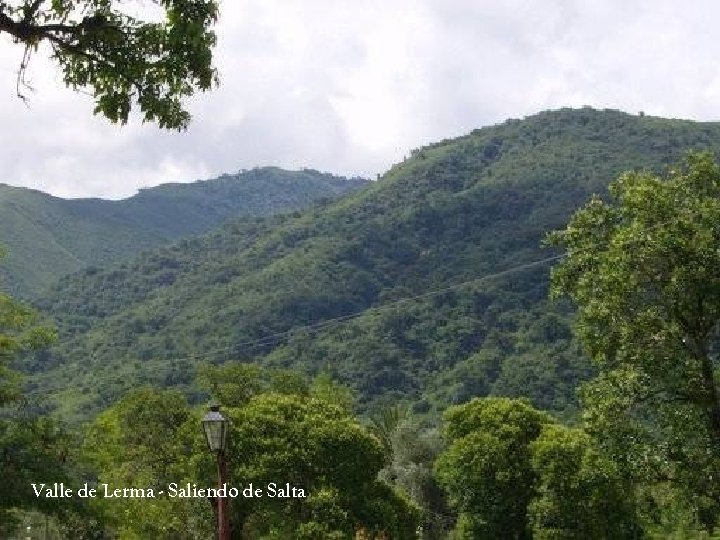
(452, 213)
(47, 237)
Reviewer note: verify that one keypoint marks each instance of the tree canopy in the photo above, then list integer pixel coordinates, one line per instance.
(512, 472)
(149, 439)
(34, 447)
(644, 271)
(17, 332)
(579, 493)
(486, 469)
(278, 435)
(102, 47)
(322, 449)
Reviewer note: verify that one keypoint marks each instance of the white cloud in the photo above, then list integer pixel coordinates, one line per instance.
(350, 87)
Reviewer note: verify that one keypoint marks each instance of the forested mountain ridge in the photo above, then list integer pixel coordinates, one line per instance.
(452, 213)
(47, 237)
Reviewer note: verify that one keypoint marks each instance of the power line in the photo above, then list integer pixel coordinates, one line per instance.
(276, 337)
(343, 318)
(328, 323)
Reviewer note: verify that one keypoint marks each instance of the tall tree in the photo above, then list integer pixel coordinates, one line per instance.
(101, 47)
(18, 332)
(411, 448)
(580, 493)
(320, 448)
(486, 469)
(31, 448)
(644, 270)
(149, 439)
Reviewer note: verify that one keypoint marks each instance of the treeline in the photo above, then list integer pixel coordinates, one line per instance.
(388, 476)
(497, 468)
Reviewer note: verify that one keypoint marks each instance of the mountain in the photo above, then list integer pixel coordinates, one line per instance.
(47, 237)
(399, 289)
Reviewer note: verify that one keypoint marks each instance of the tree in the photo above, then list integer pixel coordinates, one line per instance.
(579, 493)
(514, 473)
(410, 450)
(644, 270)
(486, 468)
(234, 383)
(150, 439)
(120, 58)
(31, 447)
(320, 448)
(18, 333)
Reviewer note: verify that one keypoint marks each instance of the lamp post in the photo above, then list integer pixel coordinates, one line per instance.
(215, 426)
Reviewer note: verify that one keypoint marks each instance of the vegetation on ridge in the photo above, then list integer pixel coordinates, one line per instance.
(48, 237)
(454, 212)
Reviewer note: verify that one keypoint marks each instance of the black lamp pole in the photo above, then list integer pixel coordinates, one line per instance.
(215, 426)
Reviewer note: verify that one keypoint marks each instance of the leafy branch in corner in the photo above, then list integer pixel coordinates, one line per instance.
(122, 60)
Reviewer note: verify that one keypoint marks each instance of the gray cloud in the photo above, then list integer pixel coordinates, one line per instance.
(350, 87)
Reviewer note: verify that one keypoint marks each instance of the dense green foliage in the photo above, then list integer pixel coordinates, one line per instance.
(580, 493)
(411, 447)
(453, 212)
(644, 270)
(18, 333)
(30, 446)
(103, 48)
(278, 435)
(511, 472)
(147, 441)
(486, 468)
(47, 237)
(319, 447)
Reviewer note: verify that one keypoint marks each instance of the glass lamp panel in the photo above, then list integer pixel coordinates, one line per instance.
(215, 428)
(213, 435)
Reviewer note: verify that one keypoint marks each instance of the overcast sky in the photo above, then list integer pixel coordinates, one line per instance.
(351, 86)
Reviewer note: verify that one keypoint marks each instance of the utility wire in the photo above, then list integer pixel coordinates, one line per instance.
(247, 346)
(269, 339)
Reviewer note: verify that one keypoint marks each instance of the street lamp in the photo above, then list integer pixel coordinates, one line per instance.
(215, 426)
